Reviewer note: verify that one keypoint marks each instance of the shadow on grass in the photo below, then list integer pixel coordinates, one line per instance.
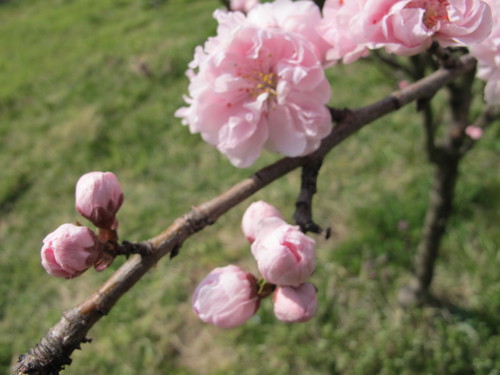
(490, 319)
(14, 191)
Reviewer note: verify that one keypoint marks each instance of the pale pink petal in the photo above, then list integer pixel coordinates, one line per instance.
(295, 304)
(227, 297)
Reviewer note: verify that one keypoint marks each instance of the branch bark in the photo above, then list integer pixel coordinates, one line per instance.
(303, 205)
(54, 350)
(446, 159)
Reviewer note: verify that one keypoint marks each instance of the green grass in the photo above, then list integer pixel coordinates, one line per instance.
(88, 85)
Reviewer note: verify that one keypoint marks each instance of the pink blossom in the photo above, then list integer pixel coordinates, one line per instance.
(298, 17)
(242, 5)
(339, 18)
(227, 297)
(474, 132)
(253, 216)
(257, 88)
(407, 27)
(98, 198)
(284, 255)
(69, 251)
(295, 304)
(488, 56)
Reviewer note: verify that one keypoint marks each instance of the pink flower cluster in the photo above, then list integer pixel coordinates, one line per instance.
(72, 249)
(488, 56)
(403, 27)
(260, 83)
(285, 257)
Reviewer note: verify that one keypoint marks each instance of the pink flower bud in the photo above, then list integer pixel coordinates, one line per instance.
(98, 197)
(403, 84)
(253, 215)
(69, 251)
(227, 297)
(285, 255)
(242, 5)
(475, 132)
(294, 304)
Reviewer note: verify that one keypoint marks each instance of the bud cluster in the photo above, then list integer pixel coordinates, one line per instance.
(72, 249)
(285, 257)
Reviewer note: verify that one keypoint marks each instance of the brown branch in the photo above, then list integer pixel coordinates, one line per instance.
(446, 159)
(303, 205)
(55, 348)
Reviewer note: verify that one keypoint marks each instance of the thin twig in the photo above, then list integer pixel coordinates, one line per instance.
(55, 348)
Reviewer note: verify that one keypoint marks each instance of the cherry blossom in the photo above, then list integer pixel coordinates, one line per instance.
(295, 304)
(284, 255)
(69, 251)
(253, 217)
(404, 27)
(98, 197)
(257, 88)
(227, 297)
(488, 56)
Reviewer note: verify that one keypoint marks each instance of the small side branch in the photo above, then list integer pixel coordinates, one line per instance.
(303, 205)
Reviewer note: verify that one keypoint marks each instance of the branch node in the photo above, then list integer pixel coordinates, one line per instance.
(175, 251)
(128, 248)
(339, 114)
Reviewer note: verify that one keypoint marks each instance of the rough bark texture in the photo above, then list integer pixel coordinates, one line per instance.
(54, 350)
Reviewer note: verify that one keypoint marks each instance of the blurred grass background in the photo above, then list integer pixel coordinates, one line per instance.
(92, 85)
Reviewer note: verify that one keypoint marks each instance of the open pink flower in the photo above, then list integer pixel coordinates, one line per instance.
(98, 198)
(450, 22)
(253, 216)
(257, 88)
(298, 17)
(284, 255)
(69, 251)
(339, 18)
(227, 297)
(295, 304)
(407, 27)
(488, 56)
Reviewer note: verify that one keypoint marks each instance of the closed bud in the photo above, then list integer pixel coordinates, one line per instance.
(254, 214)
(227, 297)
(285, 255)
(295, 304)
(475, 132)
(98, 198)
(70, 250)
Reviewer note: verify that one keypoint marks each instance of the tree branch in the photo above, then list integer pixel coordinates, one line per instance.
(446, 159)
(55, 348)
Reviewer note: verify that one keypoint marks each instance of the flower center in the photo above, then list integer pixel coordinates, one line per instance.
(260, 83)
(266, 83)
(435, 11)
